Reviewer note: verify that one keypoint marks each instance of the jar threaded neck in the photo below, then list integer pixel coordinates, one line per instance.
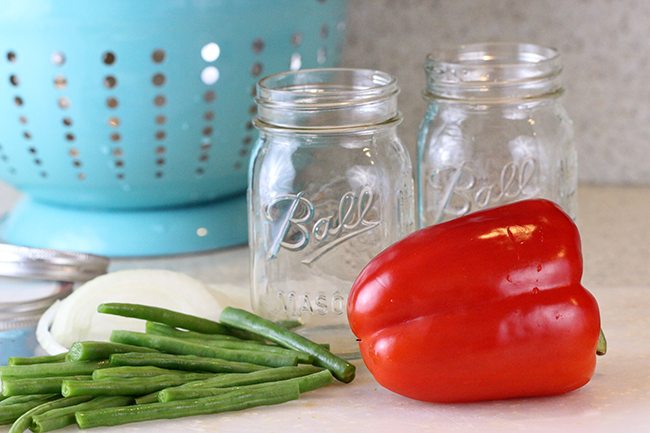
(493, 72)
(327, 98)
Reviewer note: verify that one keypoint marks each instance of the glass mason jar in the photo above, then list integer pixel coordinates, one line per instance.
(330, 186)
(494, 132)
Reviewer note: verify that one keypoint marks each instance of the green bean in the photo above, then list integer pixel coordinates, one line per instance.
(59, 418)
(10, 413)
(179, 346)
(36, 385)
(15, 399)
(302, 357)
(289, 324)
(183, 362)
(131, 386)
(18, 360)
(68, 368)
(129, 371)
(169, 331)
(237, 379)
(162, 315)
(25, 420)
(230, 401)
(306, 383)
(147, 398)
(96, 350)
(235, 317)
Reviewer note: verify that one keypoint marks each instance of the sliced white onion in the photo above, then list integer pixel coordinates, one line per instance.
(77, 318)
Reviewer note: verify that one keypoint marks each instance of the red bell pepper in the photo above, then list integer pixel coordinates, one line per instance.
(486, 306)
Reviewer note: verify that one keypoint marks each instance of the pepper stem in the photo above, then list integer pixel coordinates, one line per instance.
(601, 348)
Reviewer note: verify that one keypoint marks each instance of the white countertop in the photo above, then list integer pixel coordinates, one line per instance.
(616, 248)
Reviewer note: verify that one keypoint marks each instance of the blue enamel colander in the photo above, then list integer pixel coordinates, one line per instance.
(127, 123)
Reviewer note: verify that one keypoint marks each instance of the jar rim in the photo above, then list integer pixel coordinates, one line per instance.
(463, 55)
(323, 83)
(493, 70)
(327, 98)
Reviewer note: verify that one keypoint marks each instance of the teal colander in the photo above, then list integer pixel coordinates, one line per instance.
(127, 123)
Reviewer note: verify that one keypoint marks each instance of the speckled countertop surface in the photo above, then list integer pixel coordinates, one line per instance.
(616, 240)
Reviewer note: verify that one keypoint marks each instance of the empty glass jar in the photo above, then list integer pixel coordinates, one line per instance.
(330, 187)
(494, 132)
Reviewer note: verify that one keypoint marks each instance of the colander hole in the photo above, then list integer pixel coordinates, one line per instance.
(60, 82)
(67, 121)
(209, 96)
(160, 135)
(110, 81)
(207, 131)
(158, 56)
(210, 52)
(18, 101)
(258, 45)
(11, 56)
(208, 115)
(159, 174)
(32, 150)
(252, 109)
(73, 152)
(109, 58)
(296, 62)
(247, 140)
(64, 103)
(120, 176)
(249, 125)
(243, 152)
(256, 69)
(204, 157)
(27, 135)
(321, 55)
(296, 39)
(324, 31)
(206, 146)
(13, 79)
(117, 152)
(160, 150)
(76, 163)
(69, 137)
(161, 120)
(37, 161)
(160, 161)
(43, 173)
(210, 75)
(253, 90)
(159, 100)
(200, 171)
(23, 120)
(158, 79)
(111, 102)
(119, 163)
(114, 122)
(58, 58)
(237, 165)
(116, 137)
(81, 176)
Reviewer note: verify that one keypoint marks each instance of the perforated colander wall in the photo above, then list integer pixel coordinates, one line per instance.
(139, 104)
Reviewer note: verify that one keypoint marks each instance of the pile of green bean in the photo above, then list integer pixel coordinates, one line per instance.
(181, 366)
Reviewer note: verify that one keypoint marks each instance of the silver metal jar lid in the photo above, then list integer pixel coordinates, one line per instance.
(32, 279)
(22, 302)
(50, 265)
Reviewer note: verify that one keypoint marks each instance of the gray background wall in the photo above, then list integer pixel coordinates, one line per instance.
(605, 46)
